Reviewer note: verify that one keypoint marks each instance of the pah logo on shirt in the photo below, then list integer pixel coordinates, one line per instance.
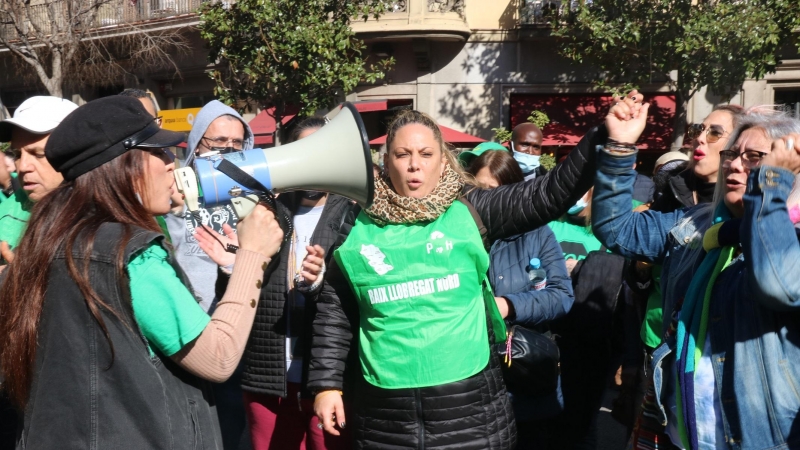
(433, 247)
(376, 259)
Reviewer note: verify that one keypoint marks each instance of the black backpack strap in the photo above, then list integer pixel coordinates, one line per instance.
(478, 221)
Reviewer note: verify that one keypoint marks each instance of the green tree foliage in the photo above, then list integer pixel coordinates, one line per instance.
(539, 118)
(501, 134)
(714, 43)
(547, 161)
(278, 53)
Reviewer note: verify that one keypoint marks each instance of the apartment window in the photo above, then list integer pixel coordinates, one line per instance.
(790, 100)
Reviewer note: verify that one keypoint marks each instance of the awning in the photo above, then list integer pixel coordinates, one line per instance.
(263, 125)
(572, 115)
(371, 105)
(449, 135)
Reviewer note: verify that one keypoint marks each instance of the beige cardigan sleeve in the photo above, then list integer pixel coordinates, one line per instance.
(216, 352)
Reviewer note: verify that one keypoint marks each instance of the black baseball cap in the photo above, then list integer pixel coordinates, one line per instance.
(102, 130)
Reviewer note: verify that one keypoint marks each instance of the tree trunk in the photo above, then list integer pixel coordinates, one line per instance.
(276, 138)
(3, 111)
(54, 87)
(679, 122)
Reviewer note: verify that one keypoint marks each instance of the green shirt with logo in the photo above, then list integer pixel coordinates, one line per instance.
(421, 291)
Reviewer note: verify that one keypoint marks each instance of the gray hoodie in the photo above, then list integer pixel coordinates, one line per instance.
(199, 268)
(208, 114)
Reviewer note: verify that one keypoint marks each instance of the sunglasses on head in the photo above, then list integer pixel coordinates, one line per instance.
(713, 133)
(161, 153)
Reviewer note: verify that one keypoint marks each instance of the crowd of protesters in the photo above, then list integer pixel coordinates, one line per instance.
(126, 321)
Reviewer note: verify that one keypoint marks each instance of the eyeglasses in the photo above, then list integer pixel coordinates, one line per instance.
(713, 133)
(161, 153)
(750, 158)
(221, 142)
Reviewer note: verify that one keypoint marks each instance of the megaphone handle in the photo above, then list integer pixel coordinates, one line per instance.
(265, 195)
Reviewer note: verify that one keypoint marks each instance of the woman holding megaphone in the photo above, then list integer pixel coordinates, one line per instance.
(415, 267)
(101, 343)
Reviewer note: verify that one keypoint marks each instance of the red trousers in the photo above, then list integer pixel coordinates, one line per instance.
(286, 424)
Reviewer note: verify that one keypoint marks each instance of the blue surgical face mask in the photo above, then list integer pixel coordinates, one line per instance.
(577, 207)
(528, 163)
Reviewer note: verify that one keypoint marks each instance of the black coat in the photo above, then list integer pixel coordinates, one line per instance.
(501, 212)
(265, 354)
(676, 190)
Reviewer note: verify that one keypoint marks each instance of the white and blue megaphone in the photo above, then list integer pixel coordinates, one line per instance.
(335, 159)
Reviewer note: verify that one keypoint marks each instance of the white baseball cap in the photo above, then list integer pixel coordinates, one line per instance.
(38, 115)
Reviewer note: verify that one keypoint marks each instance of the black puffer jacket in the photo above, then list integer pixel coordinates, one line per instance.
(501, 212)
(265, 355)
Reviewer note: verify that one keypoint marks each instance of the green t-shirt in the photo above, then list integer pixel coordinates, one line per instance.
(167, 313)
(14, 214)
(3, 196)
(576, 240)
(653, 320)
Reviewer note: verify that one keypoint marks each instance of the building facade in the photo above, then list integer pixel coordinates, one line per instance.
(473, 65)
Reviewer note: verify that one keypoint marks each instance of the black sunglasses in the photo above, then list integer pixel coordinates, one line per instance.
(750, 158)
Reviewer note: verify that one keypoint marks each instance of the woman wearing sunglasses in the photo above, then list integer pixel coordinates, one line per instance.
(727, 373)
(693, 183)
(101, 343)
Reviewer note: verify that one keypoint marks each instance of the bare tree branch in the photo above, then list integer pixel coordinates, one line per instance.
(87, 42)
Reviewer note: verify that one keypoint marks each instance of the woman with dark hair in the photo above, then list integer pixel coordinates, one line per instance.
(279, 407)
(495, 168)
(410, 282)
(726, 374)
(693, 183)
(101, 343)
(530, 306)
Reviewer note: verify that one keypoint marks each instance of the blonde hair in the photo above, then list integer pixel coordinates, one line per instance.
(409, 117)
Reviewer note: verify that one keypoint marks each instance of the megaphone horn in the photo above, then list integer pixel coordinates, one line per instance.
(334, 159)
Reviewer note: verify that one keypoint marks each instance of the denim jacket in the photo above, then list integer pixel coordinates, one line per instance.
(753, 317)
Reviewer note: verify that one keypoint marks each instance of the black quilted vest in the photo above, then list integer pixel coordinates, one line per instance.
(265, 356)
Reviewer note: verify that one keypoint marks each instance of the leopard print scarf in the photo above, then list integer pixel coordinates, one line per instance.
(391, 208)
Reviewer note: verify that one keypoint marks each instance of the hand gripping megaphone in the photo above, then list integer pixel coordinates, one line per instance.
(335, 159)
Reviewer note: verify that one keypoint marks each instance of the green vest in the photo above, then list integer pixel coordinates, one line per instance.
(421, 290)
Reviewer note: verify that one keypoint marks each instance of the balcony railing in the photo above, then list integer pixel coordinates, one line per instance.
(412, 19)
(48, 17)
(543, 12)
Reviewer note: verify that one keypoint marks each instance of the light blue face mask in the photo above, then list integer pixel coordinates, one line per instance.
(577, 207)
(528, 163)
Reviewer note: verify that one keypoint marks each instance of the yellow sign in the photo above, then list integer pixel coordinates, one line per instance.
(178, 119)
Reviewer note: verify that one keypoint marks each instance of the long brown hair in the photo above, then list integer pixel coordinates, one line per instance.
(501, 165)
(75, 209)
